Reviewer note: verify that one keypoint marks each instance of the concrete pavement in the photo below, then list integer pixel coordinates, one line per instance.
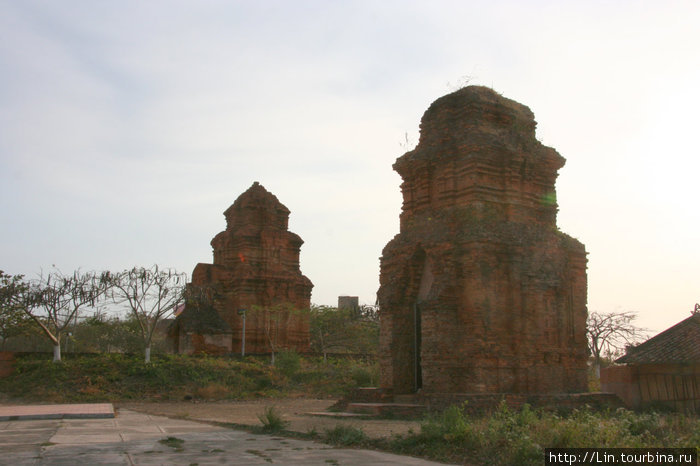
(133, 438)
(62, 411)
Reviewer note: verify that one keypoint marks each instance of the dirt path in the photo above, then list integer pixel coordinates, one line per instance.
(294, 410)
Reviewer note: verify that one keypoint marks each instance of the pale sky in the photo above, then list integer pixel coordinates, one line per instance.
(127, 128)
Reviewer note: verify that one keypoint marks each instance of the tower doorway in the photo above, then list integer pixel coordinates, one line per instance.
(419, 307)
(417, 337)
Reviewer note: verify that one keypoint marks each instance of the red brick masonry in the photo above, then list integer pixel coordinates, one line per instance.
(480, 292)
(256, 267)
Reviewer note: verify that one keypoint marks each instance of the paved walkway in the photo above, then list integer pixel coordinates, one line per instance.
(133, 438)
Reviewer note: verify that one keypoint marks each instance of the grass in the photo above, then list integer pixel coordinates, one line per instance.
(509, 436)
(118, 377)
(342, 435)
(272, 421)
(175, 443)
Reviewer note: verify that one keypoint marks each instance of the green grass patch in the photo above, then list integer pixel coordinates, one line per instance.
(119, 377)
(509, 436)
(343, 435)
(175, 443)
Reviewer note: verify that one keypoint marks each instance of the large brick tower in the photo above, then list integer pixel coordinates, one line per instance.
(480, 292)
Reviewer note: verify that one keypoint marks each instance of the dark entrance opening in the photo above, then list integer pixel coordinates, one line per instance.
(408, 356)
(417, 336)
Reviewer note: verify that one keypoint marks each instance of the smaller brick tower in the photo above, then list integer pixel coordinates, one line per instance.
(256, 269)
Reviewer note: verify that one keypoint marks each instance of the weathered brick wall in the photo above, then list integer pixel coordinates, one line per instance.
(479, 278)
(256, 268)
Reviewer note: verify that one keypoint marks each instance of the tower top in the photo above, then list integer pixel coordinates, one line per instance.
(257, 206)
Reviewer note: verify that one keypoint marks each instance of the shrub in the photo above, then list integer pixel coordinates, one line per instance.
(450, 425)
(212, 391)
(362, 376)
(288, 362)
(272, 420)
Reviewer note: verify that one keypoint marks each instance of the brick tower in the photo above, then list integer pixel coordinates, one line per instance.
(256, 269)
(480, 292)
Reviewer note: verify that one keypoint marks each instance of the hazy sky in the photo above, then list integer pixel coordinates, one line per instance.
(128, 127)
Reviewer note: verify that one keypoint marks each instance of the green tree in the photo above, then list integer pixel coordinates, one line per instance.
(101, 333)
(344, 331)
(13, 320)
(328, 329)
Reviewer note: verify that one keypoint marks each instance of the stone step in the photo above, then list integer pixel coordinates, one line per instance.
(387, 409)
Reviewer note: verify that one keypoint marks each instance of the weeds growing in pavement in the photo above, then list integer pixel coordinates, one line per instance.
(272, 420)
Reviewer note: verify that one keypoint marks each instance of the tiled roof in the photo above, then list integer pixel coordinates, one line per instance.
(678, 344)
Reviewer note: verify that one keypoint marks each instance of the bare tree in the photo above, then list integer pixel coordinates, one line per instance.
(54, 301)
(150, 295)
(273, 318)
(609, 334)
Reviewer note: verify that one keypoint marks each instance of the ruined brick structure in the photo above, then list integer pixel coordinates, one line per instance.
(199, 329)
(480, 292)
(256, 269)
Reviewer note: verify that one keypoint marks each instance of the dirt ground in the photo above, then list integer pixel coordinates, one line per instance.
(295, 410)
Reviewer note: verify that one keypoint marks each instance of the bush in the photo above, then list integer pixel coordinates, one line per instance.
(272, 421)
(212, 391)
(450, 425)
(363, 376)
(288, 362)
